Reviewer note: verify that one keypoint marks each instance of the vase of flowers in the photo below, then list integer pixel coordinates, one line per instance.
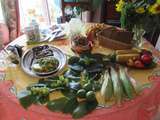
(138, 35)
(139, 16)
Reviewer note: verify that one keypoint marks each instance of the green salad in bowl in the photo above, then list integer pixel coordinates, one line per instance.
(46, 65)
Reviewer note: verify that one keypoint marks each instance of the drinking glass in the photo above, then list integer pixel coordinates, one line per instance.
(3, 64)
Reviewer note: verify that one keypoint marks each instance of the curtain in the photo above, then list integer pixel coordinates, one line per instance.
(4, 34)
(12, 19)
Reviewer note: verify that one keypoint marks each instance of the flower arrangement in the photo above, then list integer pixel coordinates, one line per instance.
(139, 12)
(141, 15)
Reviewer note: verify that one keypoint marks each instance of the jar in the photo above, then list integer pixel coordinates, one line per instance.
(32, 31)
(80, 44)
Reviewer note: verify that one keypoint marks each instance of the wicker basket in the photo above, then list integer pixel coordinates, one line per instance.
(114, 39)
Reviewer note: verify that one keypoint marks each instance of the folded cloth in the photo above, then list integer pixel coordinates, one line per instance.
(143, 107)
(10, 109)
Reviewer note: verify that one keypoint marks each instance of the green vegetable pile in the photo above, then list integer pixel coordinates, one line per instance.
(85, 75)
(78, 85)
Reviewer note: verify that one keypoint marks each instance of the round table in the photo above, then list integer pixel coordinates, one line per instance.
(142, 107)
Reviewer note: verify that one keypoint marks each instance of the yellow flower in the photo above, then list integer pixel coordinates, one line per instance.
(119, 5)
(140, 10)
(154, 9)
(158, 1)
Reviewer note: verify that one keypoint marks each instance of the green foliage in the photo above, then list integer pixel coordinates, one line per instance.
(25, 98)
(84, 108)
(34, 94)
(38, 94)
(130, 17)
(57, 105)
(85, 87)
(70, 105)
(69, 93)
(80, 111)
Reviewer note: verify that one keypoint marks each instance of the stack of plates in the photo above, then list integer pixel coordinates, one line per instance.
(29, 58)
(54, 33)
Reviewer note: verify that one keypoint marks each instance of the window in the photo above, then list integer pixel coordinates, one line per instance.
(1, 15)
(45, 12)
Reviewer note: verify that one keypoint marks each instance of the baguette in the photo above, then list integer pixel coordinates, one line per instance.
(123, 58)
(129, 51)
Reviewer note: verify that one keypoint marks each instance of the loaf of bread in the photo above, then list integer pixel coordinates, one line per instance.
(115, 38)
(118, 34)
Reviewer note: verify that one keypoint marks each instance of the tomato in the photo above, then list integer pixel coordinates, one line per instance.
(146, 58)
(138, 64)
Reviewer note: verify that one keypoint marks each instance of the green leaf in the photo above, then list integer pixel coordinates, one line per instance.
(70, 105)
(69, 93)
(35, 85)
(144, 86)
(84, 108)
(91, 105)
(26, 98)
(47, 81)
(153, 64)
(43, 99)
(57, 105)
(80, 111)
(73, 59)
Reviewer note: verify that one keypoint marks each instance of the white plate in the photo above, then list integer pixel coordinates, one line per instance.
(27, 60)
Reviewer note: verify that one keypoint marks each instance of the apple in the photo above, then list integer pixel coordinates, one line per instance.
(146, 58)
(139, 64)
(146, 52)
